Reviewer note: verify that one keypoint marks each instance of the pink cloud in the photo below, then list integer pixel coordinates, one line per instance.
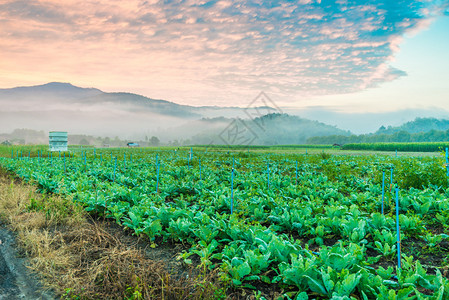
(222, 51)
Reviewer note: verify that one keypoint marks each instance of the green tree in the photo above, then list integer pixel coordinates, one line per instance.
(154, 141)
(84, 141)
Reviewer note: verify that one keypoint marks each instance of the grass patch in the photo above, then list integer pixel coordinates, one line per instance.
(82, 258)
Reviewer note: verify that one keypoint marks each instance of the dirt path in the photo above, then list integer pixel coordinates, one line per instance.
(16, 281)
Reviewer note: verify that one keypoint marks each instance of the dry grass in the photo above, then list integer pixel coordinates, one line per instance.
(80, 258)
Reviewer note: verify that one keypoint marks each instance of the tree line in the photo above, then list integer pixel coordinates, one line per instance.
(397, 137)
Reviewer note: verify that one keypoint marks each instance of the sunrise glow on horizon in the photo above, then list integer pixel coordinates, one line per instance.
(325, 53)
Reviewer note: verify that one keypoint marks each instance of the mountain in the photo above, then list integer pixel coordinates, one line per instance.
(419, 130)
(57, 95)
(56, 91)
(271, 129)
(416, 126)
(63, 106)
(136, 103)
(282, 129)
(366, 122)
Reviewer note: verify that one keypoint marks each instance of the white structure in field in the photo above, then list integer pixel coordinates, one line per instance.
(58, 140)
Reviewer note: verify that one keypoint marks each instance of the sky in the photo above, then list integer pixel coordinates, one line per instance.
(359, 56)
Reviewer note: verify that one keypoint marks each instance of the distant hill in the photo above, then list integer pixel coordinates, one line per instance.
(417, 126)
(282, 129)
(137, 103)
(366, 122)
(51, 91)
(57, 96)
(271, 129)
(63, 106)
(419, 130)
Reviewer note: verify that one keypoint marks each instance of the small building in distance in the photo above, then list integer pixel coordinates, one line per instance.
(131, 144)
(58, 140)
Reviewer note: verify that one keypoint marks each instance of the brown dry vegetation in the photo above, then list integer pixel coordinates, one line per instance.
(81, 258)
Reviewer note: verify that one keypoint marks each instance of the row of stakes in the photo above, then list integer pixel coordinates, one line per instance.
(268, 183)
(398, 232)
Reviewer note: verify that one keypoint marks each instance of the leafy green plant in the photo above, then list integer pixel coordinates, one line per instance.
(355, 230)
(238, 269)
(385, 242)
(205, 252)
(296, 272)
(257, 261)
(379, 221)
(411, 224)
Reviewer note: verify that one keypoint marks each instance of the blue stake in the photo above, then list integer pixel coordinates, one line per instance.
(296, 172)
(398, 235)
(232, 186)
(396, 152)
(383, 190)
(268, 174)
(200, 168)
(59, 153)
(447, 162)
(65, 169)
(115, 167)
(157, 173)
(391, 178)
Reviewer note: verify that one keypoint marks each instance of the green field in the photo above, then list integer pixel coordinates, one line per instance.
(408, 147)
(306, 226)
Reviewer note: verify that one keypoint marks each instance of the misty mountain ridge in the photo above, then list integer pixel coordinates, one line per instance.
(419, 125)
(65, 107)
(418, 130)
(270, 129)
(137, 103)
(367, 122)
(52, 90)
(52, 95)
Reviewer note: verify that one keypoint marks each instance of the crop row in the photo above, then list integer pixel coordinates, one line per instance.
(404, 147)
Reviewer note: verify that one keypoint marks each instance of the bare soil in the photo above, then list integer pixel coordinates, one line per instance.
(16, 280)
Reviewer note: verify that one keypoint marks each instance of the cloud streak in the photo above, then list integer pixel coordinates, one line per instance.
(213, 52)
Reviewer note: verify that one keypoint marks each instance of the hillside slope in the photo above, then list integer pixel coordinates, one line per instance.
(416, 126)
(271, 129)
